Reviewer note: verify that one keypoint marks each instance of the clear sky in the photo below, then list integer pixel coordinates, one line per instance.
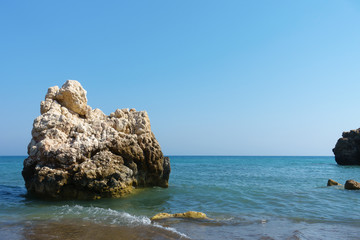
(216, 77)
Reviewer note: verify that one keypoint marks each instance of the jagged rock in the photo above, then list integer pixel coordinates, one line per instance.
(333, 183)
(77, 152)
(190, 214)
(352, 185)
(347, 148)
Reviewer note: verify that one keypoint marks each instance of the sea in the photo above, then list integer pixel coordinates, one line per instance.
(245, 197)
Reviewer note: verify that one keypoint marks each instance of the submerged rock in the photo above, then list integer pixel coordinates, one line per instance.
(333, 183)
(79, 152)
(352, 185)
(190, 214)
(347, 148)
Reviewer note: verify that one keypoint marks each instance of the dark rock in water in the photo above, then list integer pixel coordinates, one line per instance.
(333, 183)
(352, 185)
(347, 148)
(76, 152)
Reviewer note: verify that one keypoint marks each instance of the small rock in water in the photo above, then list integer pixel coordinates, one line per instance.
(352, 185)
(333, 183)
(190, 214)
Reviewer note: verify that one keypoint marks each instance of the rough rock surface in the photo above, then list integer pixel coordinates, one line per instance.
(352, 185)
(347, 148)
(190, 214)
(333, 183)
(77, 152)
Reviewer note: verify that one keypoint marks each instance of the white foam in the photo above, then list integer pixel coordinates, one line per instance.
(110, 216)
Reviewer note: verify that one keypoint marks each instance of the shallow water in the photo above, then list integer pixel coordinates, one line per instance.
(246, 198)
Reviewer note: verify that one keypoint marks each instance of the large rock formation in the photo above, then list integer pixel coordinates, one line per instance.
(77, 152)
(347, 148)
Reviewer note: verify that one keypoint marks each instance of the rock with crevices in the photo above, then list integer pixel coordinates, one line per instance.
(80, 153)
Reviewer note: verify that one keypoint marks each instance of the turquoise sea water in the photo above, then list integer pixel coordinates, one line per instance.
(245, 197)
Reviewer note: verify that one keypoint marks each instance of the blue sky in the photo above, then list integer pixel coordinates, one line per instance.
(216, 77)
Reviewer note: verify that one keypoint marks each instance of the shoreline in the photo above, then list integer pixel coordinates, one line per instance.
(80, 229)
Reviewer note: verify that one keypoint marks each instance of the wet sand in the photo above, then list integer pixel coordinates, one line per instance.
(79, 229)
(82, 230)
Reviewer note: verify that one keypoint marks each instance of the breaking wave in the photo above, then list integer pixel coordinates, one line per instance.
(109, 216)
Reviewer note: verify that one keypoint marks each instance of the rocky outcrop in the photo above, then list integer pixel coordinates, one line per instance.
(79, 152)
(352, 185)
(190, 214)
(333, 183)
(347, 148)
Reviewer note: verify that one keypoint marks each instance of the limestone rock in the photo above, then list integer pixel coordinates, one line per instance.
(77, 152)
(347, 148)
(190, 214)
(352, 185)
